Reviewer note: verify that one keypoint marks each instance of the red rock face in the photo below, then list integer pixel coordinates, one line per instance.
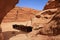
(6, 6)
(52, 4)
(19, 14)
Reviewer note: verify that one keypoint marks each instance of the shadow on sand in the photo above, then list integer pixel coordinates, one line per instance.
(9, 34)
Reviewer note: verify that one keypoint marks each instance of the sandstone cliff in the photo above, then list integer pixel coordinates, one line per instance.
(46, 24)
(6, 6)
(19, 14)
(52, 4)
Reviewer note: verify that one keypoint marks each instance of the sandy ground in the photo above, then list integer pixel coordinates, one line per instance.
(8, 30)
(13, 34)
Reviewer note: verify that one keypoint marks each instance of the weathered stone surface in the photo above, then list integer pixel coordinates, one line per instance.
(5, 7)
(49, 23)
(45, 27)
(46, 24)
(52, 4)
(19, 14)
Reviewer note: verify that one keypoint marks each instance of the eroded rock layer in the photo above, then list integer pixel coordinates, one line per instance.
(19, 14)
(51, 4)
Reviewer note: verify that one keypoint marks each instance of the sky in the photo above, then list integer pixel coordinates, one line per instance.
(34, 4)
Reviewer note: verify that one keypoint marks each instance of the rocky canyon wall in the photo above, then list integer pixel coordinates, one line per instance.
(6, 6)
(51, 4)
(19, 14)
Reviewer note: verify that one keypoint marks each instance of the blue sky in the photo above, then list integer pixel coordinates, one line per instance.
(34, 4)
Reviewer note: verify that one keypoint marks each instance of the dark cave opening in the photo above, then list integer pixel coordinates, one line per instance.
(22, 28)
